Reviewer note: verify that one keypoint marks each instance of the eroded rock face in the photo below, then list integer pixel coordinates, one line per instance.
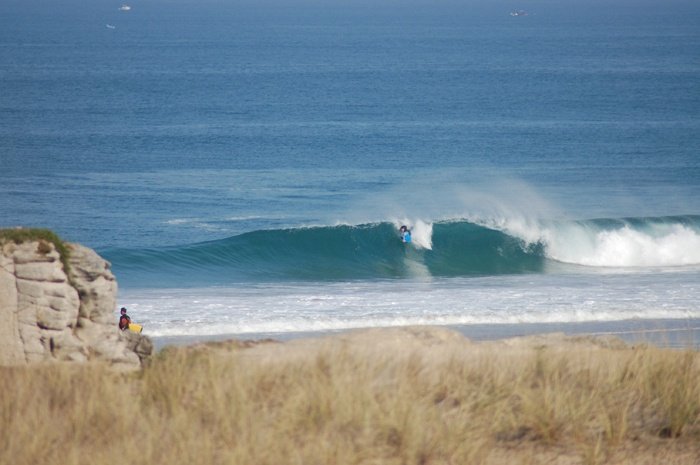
(47, 315)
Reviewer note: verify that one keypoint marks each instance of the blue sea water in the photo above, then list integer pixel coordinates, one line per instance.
(245, 166)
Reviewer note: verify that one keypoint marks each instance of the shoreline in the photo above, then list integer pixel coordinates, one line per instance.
(667, 333)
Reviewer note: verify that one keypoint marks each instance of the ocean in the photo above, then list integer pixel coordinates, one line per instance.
(245, 166)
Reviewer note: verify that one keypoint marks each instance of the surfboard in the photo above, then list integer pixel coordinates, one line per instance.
(135, 328)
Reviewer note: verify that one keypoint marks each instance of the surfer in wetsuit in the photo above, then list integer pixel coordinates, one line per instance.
(405, 234)
(124, 320)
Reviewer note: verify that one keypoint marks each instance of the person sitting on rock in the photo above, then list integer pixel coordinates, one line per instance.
(124, 320)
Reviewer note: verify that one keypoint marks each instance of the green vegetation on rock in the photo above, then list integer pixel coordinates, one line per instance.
(43, 236)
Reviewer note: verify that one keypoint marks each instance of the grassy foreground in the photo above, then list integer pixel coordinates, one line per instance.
(350, 402)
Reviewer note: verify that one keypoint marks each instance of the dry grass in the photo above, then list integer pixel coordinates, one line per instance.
(343, 401)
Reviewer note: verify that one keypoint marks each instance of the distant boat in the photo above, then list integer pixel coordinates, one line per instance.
(124, 7)
(109, 26)
(518, 13)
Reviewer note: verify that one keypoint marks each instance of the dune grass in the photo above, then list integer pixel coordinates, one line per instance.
(342, 404)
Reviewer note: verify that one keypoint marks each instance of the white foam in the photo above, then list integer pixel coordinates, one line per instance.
(626, 247)
(177, 221)
(282, 308)
(660, 245)
(422, 235)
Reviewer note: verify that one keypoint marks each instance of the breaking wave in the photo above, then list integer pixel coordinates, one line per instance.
(473, 247)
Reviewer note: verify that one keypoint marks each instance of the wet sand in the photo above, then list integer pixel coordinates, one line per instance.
(662, 333)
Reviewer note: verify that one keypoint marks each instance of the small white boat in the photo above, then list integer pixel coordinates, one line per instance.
(518, 13)
(124, 7)
(110, 26)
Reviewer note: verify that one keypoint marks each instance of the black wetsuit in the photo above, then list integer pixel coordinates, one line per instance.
(124, 321)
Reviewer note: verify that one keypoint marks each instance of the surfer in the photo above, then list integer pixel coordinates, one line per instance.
(124, 320)
(405, 234)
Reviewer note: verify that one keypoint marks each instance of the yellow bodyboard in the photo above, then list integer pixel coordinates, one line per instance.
(135, 328)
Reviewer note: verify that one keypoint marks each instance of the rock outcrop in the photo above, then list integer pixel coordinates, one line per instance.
(49, 314)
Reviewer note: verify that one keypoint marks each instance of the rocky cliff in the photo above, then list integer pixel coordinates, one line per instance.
(61, 308)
